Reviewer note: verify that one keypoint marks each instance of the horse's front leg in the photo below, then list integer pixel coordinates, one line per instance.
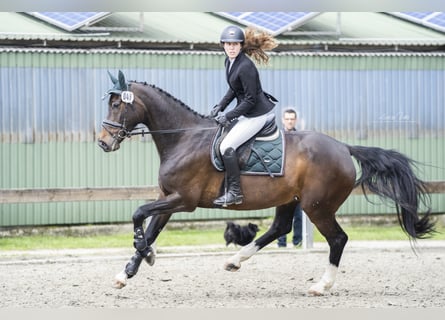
(160, 212)
(154, 228)
(164, 206)
(281, 225)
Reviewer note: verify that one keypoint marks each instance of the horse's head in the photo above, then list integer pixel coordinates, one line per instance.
(124, 113)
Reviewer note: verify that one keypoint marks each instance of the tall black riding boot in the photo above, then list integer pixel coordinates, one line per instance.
(233, 193)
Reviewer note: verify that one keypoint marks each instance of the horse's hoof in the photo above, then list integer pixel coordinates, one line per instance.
(316, 290)
(315, 293)
(231, 267)
(118, 285)
(120, 280)
(150, 259)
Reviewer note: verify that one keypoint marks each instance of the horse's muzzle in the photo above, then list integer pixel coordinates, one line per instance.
(107, 147)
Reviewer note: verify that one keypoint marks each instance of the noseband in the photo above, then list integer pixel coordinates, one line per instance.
(121, 134)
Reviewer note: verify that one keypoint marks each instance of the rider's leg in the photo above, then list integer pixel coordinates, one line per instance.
(242, 131)
(233, 194)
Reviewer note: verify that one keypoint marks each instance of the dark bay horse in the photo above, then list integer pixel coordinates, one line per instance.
(319, 173)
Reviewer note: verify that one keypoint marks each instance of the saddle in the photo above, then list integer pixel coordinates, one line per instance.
(263, 154)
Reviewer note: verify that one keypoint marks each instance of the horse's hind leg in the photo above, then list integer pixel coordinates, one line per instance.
(336, 239)
(281, 225)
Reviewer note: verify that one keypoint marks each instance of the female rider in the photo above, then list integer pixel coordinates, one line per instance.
(253, 104)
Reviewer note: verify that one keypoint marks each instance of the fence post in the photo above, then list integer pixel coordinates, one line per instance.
(308, 232)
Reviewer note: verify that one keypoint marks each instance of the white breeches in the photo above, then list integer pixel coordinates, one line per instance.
(245, 129)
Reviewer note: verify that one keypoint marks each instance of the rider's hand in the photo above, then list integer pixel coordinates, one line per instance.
(217, 108)
(222, 120)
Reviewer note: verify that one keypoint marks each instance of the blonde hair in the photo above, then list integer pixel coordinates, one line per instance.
(256, 42)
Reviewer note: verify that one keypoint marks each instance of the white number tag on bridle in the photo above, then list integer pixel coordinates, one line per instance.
(127, 96)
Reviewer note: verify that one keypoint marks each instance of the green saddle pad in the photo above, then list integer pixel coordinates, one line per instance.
(266, 158)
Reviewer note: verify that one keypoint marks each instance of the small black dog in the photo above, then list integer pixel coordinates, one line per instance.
(241, 235)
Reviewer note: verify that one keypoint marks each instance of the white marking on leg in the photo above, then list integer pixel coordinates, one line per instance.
(120, 280)
(234, 262)
(326, 282)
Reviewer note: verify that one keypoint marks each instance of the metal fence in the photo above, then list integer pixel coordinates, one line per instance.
(51, 110)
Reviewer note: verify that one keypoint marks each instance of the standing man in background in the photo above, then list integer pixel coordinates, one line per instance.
(289, 124)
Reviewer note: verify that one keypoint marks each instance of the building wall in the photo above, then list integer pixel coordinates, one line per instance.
(51, 110)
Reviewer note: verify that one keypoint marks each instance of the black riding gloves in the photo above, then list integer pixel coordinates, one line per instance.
(222, 120)
(217, 108)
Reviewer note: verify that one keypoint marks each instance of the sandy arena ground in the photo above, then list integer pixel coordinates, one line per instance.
(372, 274)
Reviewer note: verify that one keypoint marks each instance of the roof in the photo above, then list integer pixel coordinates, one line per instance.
(368, 25)
(200, 31)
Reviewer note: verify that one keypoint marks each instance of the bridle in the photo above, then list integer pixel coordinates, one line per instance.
(127, 97)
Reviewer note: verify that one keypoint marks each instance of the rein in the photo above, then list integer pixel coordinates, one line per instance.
(128, 97)
(125, 133)
(167, 130)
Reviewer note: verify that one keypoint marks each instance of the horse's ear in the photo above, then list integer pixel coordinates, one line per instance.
(113, 78)
(122, 82)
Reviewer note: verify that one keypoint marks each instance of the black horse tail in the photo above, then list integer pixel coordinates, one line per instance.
(390, 174)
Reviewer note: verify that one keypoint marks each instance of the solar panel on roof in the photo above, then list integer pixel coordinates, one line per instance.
(434, 20)
(70, 20)
(417, 15)
(437, 21)
(273, 22)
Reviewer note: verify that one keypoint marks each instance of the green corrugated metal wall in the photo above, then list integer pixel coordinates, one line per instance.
(130, 59)
(36, 154)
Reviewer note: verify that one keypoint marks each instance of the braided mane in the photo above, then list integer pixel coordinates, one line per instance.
(171, 97)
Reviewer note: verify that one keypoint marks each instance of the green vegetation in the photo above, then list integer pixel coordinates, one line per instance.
(183, 237)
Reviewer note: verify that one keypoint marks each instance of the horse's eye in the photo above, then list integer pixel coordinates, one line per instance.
(116, 104)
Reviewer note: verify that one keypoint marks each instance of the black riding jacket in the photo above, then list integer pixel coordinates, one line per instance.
(244, 85)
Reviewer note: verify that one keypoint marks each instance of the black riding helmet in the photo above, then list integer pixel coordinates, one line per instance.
(232, 34)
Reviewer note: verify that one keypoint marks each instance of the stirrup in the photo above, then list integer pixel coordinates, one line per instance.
(228, 199)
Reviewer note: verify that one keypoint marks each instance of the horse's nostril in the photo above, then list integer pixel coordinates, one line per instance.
(104, 146)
